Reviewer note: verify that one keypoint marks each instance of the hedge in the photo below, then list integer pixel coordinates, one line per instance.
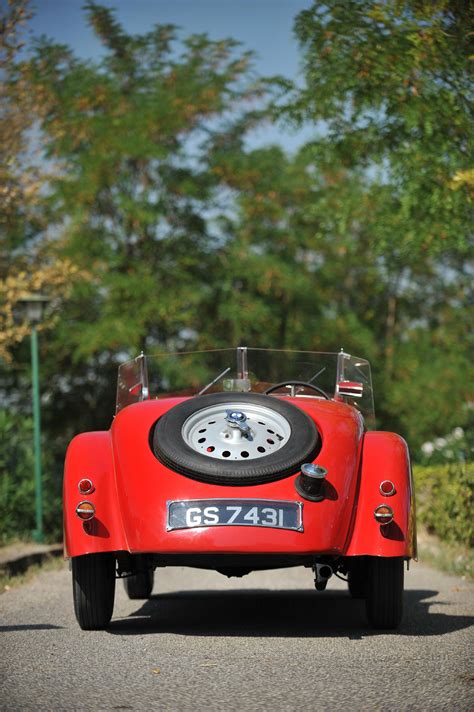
(17, 489)
(444, 500)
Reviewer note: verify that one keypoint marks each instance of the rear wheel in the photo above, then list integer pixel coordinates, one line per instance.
(384, 594)
(140, 584)
(93, 586)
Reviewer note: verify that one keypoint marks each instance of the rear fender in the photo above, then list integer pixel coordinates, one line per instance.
(90, 455)
(384, 457)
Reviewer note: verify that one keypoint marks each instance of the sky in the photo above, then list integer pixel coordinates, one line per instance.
(264, 26)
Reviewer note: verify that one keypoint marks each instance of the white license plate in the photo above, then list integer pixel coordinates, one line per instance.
(272, 514)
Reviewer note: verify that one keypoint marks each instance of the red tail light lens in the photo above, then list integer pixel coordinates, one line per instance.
(85, 486)
(85, 510)
(387, 488)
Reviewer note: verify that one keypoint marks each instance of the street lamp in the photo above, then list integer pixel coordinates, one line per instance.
(32, 307)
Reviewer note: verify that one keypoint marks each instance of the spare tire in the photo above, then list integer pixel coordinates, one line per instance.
(235, 438)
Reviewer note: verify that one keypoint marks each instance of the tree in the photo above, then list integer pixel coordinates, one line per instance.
(18, 187)
(390, 85)
(392, 81)
(25, 265)
(129, 204)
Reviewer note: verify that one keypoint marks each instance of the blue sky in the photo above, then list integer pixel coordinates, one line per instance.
(264, 26)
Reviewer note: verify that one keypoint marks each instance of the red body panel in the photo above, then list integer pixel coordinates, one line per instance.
(385, 457)
(90, 455)
(132, 488)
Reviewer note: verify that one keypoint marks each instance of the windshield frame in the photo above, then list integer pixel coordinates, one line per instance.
(346, 378)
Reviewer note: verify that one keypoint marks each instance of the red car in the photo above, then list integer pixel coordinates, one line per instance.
(240, 460)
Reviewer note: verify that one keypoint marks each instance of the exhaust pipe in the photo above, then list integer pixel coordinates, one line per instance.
(322, 572)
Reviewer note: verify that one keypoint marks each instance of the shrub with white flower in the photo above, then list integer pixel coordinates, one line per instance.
(454, 447)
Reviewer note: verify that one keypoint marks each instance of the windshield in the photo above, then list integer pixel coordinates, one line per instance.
(339, 376)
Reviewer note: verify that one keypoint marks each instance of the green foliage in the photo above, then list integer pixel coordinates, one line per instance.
(445, 499)
(390, 84)
(17, 491)
(134, 135)
(393, 83)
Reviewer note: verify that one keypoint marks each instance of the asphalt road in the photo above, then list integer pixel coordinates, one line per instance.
(264, 642)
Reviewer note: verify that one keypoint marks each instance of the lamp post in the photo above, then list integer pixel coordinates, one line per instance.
(32, 306)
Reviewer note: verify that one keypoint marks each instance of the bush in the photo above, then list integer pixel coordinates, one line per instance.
(17, 489)
(444, 499)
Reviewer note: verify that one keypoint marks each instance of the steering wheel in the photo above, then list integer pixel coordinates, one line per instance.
(276, 386)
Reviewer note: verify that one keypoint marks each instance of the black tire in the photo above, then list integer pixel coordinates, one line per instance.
(357, 579)
(139, 585)
(170, 448)
(93, 587)
(384, 598)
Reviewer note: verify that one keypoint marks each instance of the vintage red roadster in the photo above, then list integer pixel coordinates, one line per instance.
(240, 460)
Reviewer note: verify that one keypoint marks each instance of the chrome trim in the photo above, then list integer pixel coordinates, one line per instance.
(342, 356)
(313, 470)
(242, 367)
(387, 494)
(299, 506)
(380, 518)
(237, 419)
(145, 394)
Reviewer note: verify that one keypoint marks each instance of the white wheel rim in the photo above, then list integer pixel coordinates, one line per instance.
(209, 432)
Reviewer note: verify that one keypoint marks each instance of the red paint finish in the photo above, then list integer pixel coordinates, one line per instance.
(384, 457)
(132, 488)
(90, 455)
(143, 506)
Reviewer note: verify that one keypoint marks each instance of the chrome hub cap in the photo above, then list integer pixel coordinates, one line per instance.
(236, 431)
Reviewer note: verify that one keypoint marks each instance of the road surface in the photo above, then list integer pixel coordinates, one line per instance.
(264, 642)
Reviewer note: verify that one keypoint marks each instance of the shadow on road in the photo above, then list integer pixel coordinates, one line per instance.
(28, 626)
(264, 613)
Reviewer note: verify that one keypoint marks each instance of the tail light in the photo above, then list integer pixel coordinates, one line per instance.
(383, 514)
(387, 488)
(85, 486)
(85, 510)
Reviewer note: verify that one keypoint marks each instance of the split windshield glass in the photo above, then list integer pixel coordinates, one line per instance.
(244, 369)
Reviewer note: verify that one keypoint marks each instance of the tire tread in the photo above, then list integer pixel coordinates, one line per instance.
(93, 578)
(384, 600)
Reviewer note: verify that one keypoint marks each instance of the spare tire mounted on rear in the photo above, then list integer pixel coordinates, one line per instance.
(235, 438)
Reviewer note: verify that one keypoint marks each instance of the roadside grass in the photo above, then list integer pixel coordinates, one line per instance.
(452, 558)
(9, 581)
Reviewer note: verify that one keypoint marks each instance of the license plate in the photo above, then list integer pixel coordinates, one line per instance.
(272, 514)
